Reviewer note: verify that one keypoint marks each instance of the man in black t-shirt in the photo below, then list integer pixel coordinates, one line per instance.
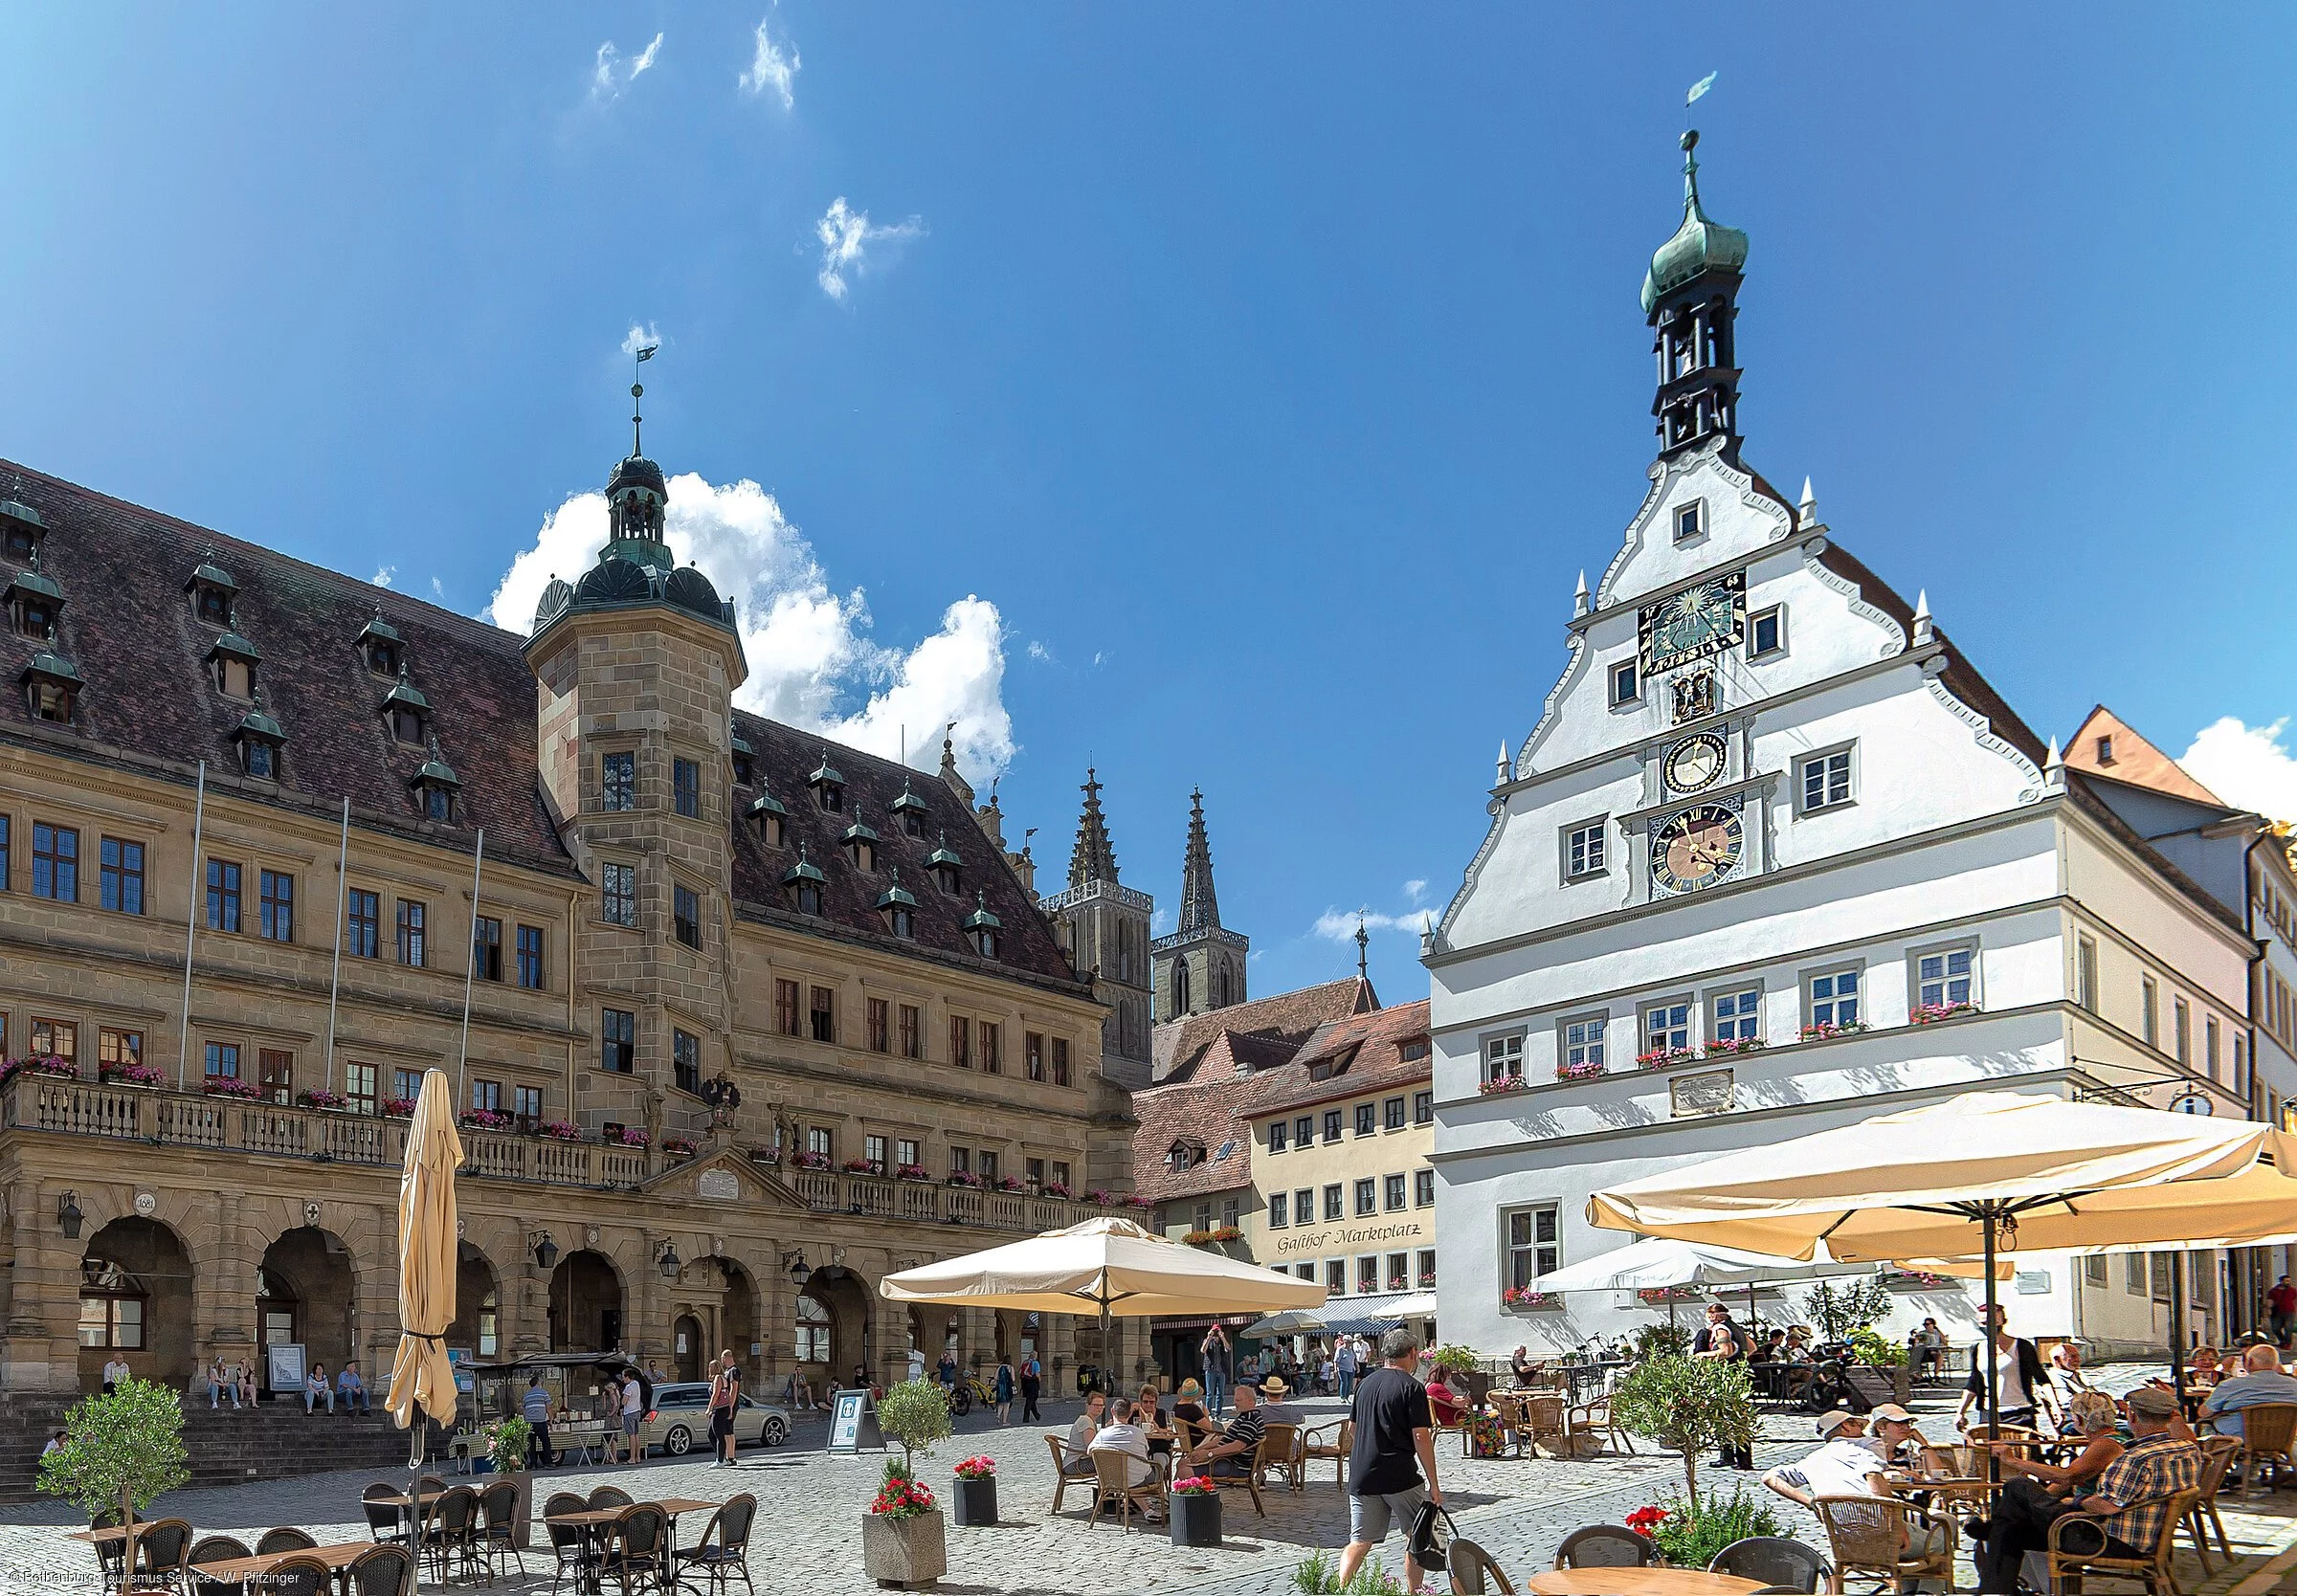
(1396, 1439)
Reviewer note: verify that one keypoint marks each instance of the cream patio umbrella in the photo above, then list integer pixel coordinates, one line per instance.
(2008, 1171)
(1111, 1267)
(421, 1374)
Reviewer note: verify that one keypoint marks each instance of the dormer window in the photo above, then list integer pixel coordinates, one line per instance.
(435, 787)
(909, 811)
(1412, 1050)
(982, 929)
(803, 885)
(829, 788)
(1184, 1155)
(51, 686)
(262, 743)
(21, 529)
(772, 820)
(2105, 750)
(379, 645)
(406, 712)
(945, 868)
(861, 844)
(899, 908)
(213, 592)
(34, 601)
(232, 662)
(745, 761)
(1690, 520)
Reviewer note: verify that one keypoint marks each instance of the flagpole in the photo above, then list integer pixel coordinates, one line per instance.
(462, 1066)
(182, 1034)
(343, 879)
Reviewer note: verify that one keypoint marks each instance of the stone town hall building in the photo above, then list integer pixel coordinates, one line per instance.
(754, 1019)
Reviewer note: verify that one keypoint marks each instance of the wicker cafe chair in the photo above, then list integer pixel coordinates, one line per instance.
(569, 1542)
(162, 1551)
(299, 1576)
(2268, 1431)
(449, 1534)
(110, 1555)
(215, 1548)
(1780, 1563)
(1264, 1457)
(1113, 1491)
(1605, 1547)
(638, 1552)
(1335, 1451)
(1279, 1453)
(285, 1539)
(498, 1532)
(1548, 1419)
(724, 1549)
(2217, 1453)
(1879, 1536)
(1069, 1468)
(609, 1495)
(382, 1571)
(1473, 1571)
(1593, 1417)
(2068, 1565)
(385, 1519)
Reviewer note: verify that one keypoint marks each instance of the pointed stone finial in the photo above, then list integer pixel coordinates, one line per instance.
(1581, 603)
(2053, 769)
(1808, 510)
(1502, 773)
(1427, 933)
(1922, 625)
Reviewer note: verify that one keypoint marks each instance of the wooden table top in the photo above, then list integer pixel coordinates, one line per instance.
(341, 1555)
(399, 1499)
(671, 1505)
(1638, 1581)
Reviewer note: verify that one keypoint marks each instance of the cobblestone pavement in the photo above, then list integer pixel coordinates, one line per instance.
(808, 1535)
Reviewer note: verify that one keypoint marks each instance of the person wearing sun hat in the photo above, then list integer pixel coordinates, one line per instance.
(1894, 1438)
(1846, 1465)
(1274, 1390)
(2128, 1508)
(1187, 1404)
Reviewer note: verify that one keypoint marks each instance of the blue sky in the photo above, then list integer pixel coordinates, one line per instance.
(1265, 374)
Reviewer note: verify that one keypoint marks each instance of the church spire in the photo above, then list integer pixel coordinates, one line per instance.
(1691, 297)
(1094, 858)
(1199, 908)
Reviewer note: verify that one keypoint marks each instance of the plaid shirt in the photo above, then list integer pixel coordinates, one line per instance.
(2143, 1479)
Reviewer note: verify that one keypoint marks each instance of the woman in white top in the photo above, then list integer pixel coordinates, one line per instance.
(2022, 1384)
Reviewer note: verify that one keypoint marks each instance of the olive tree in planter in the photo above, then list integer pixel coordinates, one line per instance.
(507, 1443)
(902, 1541)
(1688, 1405)
(120, 1451)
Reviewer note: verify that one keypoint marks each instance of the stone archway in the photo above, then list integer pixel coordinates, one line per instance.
(304, 1295)
(477, 1327)
(686, 1356)
(587, 1304)
(135, 1303)
(832, 1322)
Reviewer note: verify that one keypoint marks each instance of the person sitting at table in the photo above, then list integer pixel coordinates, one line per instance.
(1187, 1407)
(1895, 1439)
(2129, 1505)
(1124, 1436)
(1273, 1392)
(1520, 1365)
(1229, 1452)
(2091, 1417)
(1153, 1422)
(2065, 1372)
(1445, 1401)
(1073, 1452)
(1844, 1465)
(315, 1389)
(351, 1389)
(1927, 1343)
(2260, 1380)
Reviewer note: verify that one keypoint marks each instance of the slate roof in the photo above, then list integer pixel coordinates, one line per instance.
(151, 703)
(1178, 1046)
(1362, 1054)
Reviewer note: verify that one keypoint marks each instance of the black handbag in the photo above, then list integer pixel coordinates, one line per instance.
(1432, 1535)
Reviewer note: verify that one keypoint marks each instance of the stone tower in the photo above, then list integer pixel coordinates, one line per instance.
(1200, 966)
(1105, 928)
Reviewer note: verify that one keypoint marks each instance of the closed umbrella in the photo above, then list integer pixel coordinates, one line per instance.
(1110, 1266)
(421, 1374)
(2008, 1171)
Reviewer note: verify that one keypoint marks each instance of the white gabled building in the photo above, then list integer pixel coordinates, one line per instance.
(1775, 858)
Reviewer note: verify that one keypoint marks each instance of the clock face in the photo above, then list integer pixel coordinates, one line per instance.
(1696, 848)
(1693, 624)
(1694, 763)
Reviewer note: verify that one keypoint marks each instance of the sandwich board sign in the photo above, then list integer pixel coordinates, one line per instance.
(853, 1422)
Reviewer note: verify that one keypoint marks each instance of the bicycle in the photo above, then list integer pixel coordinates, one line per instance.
(971, 1390)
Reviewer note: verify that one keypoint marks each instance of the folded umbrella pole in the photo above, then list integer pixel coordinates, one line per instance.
(422, 1377)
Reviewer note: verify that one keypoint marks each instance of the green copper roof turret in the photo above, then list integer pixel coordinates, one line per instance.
(1700, 245)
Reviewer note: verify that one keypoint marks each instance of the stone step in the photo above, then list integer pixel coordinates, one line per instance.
(226, 1445)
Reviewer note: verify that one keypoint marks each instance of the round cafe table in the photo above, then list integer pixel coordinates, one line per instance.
(1638, 1581)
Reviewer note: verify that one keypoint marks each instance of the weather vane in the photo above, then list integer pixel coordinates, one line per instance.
(643, 353)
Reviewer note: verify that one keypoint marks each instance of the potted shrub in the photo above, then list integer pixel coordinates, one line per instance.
(506, 1443)
(976, 1494)
(1884, 1353)
(39, 1064)
(902, 1541)
(1688, 1405)
(313, 1096)
(1688, 1535)
(120, 1453)
(1195, 1503)
(678, 1146)
(1458, 1364)
(130, 1075)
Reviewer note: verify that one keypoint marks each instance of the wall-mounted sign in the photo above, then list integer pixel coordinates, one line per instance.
(2192, 1102)
(286, 1367)
(2033, 1282)
(1701, 1092)
(722, 1186)
(1315, 1241)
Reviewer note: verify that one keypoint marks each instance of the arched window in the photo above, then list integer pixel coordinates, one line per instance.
(1219, 985)
(1180, 985)
(813, 1331)
(111, 1306)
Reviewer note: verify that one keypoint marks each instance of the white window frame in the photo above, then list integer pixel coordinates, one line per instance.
(1595, 1040)
(1695, 510)
(1506, 1048)
(1835, 999)
(1822, 758)
(1579, 842)
(1687, 1025)
(2148, 1011)
(1611, 683)
(1279, 1204)
(1531, 1247)
(1944, 950)
(1739, 1019)
(2181, 1030)
(1777, 612)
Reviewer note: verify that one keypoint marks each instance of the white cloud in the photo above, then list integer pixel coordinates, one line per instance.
(772, 67)
(612, 75)
(2247, 766)
(1100, 657)
(639, 337)
(847, 236)
(439, 590)
(1339, 925)
(1041, 653)
(383, 575)
(813, 661)
(1415, 890)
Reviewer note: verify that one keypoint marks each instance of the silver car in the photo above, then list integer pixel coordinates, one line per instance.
(680, 1420)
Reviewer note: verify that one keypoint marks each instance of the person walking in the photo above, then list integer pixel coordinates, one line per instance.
(945, 1372)
(1219, 1368)
(726, 1397)
(1033, 1383)
(1395, 1441)
(2024, 1383)
(2280, 1303)
(1004, 1390)
(534, 1407)
(1345, 1360)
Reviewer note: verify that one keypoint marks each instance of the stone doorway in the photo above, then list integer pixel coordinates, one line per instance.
(304, 1293)
(477, 1326)
(586, 1304)
(833, 1323)
(135, 1304)
(686, 1346)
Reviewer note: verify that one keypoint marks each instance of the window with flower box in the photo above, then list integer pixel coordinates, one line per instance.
(961, 1160)
(989, 1165)
(1833, 1002)
(1584, 1051)
(276, 1067)
(359, 1087)
(872, 1148)
(1533, 1242)
(1503, 1058)
(1427, 1269)
(486, 1097)
(819, 1142)
(1736, 1017)
(906, 1151)
(1335, 1276)
(1946, 981)
(1368, 1274)
(57, 1037)
(1399, 1272)
(1060, 1174)
(223, 1061)
(1668, 1029)
(115, 1049)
